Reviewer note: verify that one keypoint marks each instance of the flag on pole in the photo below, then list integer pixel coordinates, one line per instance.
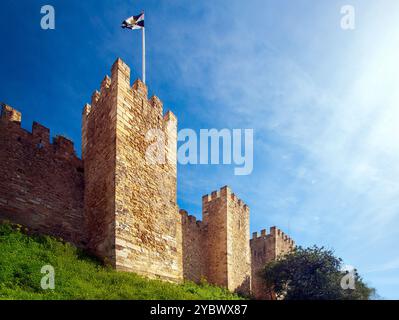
(134, 22)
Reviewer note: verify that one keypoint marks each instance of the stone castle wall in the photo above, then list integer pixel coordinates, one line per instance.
(99, 157)
(217, 248)
(193, 242)
(214, 216)
(119, 201)
(41, 183)
(264, 249)
(238, 250)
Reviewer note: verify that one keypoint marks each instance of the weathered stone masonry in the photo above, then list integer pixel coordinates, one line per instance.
(266, 248)
(217, 248)
(41, 184)
(121, 205)
(130, 204)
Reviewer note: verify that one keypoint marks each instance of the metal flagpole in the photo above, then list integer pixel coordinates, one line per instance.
(143, 61)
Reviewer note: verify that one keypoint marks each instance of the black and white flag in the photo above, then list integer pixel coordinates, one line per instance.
(134, 22)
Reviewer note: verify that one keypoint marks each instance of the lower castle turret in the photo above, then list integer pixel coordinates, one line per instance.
(223, 236)
(264, 249)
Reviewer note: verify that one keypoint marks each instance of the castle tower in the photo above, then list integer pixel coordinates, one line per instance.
(264, 249)
(130, 192)
(226, 221)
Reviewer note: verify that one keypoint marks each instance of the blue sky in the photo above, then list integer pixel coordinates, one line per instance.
(323, 103)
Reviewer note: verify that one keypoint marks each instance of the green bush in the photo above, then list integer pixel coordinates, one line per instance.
(312, 274)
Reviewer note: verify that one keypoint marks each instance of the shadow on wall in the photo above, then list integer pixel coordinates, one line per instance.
(193, 240)
(244, 287)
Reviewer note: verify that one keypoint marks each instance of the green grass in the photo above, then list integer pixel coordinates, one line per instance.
(78, 276)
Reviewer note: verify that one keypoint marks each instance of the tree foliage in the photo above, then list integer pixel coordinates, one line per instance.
(313, 274)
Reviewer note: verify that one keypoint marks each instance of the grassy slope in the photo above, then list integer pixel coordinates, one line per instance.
(78, 276)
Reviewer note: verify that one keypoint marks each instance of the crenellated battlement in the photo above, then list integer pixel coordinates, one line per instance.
(63, 145)
(41, 133)
(226, 193)
(214, 195)
(274, 233)
(190, 219)
(38, 138)
(10, 114)
(239, 202)
(116, 86)
(41, 182)
(105, 85)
